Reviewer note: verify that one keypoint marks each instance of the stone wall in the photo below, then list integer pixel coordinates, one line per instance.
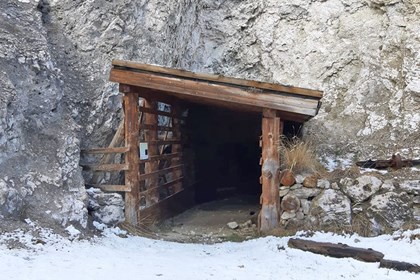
(367, 204)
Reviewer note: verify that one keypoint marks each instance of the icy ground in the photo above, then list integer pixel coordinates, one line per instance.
(49, 256)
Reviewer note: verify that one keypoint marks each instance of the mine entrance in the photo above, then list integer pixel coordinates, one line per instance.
(223, 132)
(225, 144)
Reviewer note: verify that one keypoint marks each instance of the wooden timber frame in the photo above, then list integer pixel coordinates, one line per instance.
(148, 183)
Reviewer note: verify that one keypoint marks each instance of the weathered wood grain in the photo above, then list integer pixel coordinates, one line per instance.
(160, 113)
(270, 210)
(160, 172)
(300, 105)
(131, 119)
(218, 78)
(109, 150)
(161, 157)
(336, 250)
(400, 266)
(151, 137)
(114, 188)
(106, 167)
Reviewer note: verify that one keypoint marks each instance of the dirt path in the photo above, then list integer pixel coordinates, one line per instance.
(207, 223)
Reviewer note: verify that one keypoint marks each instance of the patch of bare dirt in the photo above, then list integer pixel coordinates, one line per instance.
(208, 222)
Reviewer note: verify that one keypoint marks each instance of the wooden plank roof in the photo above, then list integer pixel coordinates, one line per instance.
(292, 103)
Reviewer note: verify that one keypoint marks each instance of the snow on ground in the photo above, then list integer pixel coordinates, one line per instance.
(113, 257)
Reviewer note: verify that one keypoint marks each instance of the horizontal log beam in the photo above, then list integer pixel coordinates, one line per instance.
(218, 78)
(156, 127)
(161, 201)
(148, 93)
(106, 167)
(115, 188)
(167, 97)
(166, 185)
(205, 90)
(114, 150)
(160, 172)
(160, 113)
(162, 157)
(164, 142)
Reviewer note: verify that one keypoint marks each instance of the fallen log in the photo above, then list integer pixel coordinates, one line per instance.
(400, 266)
(345, 251)
(336, 250)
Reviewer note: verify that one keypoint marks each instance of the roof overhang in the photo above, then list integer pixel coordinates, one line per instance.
(150, 81)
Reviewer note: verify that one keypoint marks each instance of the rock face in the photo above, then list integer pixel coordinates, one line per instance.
(411, 186)
(40, 177)
(55, 58)
(106, 208)
(391, 210)
(362, 188)
(331, 207)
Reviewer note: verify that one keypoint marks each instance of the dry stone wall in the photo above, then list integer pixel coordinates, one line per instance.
(365, 204)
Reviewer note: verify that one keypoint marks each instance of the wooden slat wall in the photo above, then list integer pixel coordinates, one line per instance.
(151, 181)
(177, 147)
(162, 175)
(151, 136)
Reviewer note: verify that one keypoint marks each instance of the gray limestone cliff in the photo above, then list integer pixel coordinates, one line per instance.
(55, 58)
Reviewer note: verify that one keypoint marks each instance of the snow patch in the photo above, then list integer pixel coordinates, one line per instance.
(106, 258)
(372, 170)
(73, 232)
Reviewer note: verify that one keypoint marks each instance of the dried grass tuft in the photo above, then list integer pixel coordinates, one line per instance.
(299, 156)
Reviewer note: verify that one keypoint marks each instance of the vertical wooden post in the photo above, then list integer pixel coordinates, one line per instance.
(270, 200)
(151, 137)
(177, 148)
(131, 124)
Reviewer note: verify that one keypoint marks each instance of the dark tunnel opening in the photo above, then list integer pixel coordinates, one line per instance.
(226, 151)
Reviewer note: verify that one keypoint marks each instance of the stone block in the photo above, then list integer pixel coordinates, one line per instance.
(362, 188)
(331, 207)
